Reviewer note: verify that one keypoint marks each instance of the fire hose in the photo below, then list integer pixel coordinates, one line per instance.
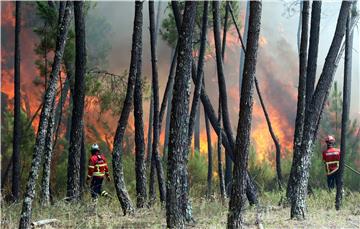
(347, 166)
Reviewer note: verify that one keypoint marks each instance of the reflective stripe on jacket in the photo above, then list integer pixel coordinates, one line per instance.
(331, 157)
(98, 166)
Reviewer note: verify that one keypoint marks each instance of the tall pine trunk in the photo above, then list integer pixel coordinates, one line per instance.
(140, 168)
(155, 91)
(15, 189)
(345, 108)
(302, 164)
(301, 101)
(210, 157)
(117, 159)
(44, 120)
(177, 195)
(238, 191)
(220, 166)
(73, 171)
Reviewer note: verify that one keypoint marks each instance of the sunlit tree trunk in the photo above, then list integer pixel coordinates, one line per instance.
(15, 189)
(73, 172)
(44, 121)
(177, 192)
(299, 189)
(345, 107)
(241, 154)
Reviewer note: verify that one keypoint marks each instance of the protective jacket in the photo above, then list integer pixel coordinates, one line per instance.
(331, 157)
(98, 166)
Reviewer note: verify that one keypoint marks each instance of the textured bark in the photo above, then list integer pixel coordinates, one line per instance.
(149, 133)
(44, 121)
(273, 136)
(313, 51)
(210, 157)
(243, 42)
(220, 167)
(15, 188)
(119, 180)
(345, 109)
(140, 169)
(155, 90)
(73, 170)
(301, 101)
(83, 168)
(177, 195)
(298, 198)
(237, 198)
(195, 111)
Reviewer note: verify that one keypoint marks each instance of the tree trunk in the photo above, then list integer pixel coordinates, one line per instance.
(273, 136)
(83, 167)
(313, 51)
(345, 108)
(119, 181)
(140, 168)
(195, 110)
(244, 39)
(210, 157)
(73, 171)
(237, 198)
(155, 90)
(177, 195)
(301, 102)
(17, 112)
(44, 120)
(149, 133)
(302, 164)
(220, 166)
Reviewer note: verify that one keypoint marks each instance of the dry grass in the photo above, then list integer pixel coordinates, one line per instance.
(208, 214)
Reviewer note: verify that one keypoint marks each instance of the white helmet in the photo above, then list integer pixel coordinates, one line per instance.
(95, 147)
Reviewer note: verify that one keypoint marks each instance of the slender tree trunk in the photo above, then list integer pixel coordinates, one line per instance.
(149, 133)
(210, 157)
(273, 136)
(15, 189)
(313, 51)
(242, 54)
(119, 181)
(220, 166)
(83, 168)
(177, 195)
(237, 198)
(73, 171)
(299, 189)
(44, 121)
(345, 109)
(155, 90)
(140, 168)
(301, 102)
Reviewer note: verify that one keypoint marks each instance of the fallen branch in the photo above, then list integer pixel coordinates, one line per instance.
(44, 222)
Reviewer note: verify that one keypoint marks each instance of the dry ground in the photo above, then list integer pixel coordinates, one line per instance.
(208, 214)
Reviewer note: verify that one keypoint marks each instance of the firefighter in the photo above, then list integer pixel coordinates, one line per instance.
(331, 158)
(97, 170)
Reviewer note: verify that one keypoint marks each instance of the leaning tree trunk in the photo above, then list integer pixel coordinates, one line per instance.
(301, 177)
(220, 166)
(177, 196)
(210, 157)
(155, 91)
(313, 51)
(17, 96)
(140, 168)
(119, 180)
(345, 109)
(44, 120)
(237, 198)
(73, 170)
(301, 102)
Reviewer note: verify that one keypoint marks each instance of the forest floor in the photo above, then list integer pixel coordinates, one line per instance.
(208, 214)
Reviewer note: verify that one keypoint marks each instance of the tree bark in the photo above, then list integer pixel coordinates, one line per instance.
(149, 133)
(155, 90)
(345, 108)
(140, 168)
(210, 157)
(73, 171)
(237, 198)
(83, 168)
(44, 120)
(119, 181)
(220, 166)
(15, 189)
(298, 198)
(177, 195)
(313, 51)
(244, 42)
(301, 101)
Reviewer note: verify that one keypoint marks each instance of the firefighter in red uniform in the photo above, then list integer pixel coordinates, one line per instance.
(97, 170)
(331, 158)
